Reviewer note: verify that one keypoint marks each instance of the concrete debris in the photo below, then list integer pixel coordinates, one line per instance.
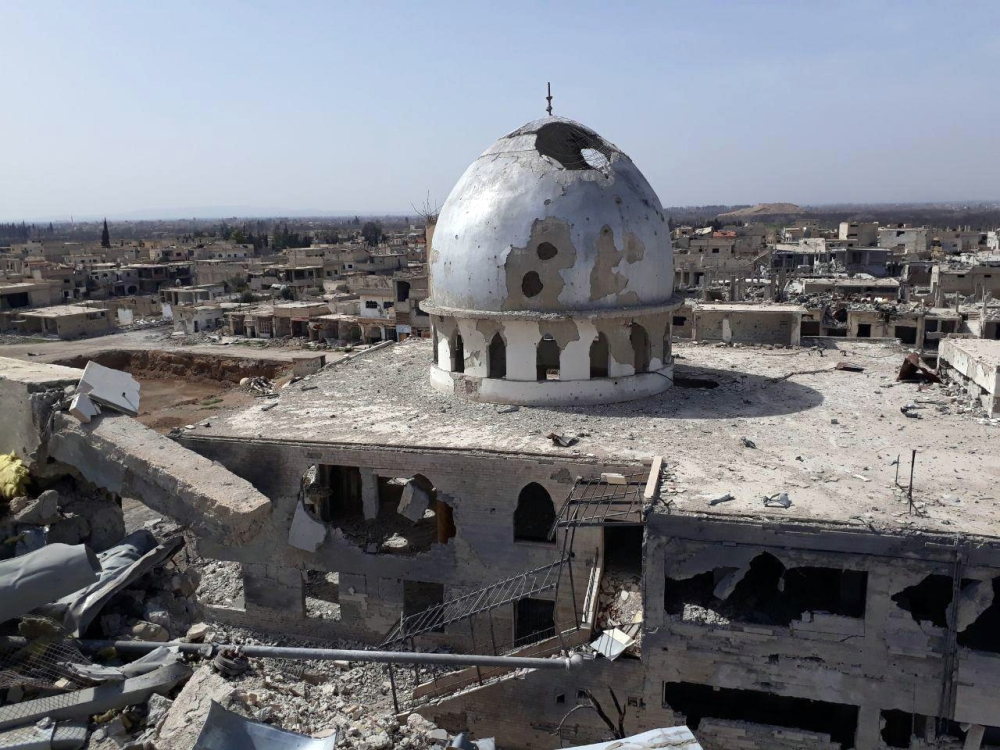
(306, 533)
(974, 599)
(910, 410)
(677, 738)
(111, 388)
(563, 441)
(778, 500)
(45, 735)
(612, 643)
(41, 511)
(260, 387)
(913, 370)
(748, 443)
(91, 701)
(227, 730)
(849, 367)
(183, 722)
(414, 501)
(34, 579)
(83, 408)
(725, 497)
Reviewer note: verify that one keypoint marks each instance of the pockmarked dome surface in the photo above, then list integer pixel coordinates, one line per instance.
(551, 218)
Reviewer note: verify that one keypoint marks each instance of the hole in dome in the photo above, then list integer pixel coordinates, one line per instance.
(594, 158)
(547, 251)
(531, 284)
(572, 146)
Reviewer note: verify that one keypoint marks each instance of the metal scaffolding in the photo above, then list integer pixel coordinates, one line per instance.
(515, 588)
(597, 502)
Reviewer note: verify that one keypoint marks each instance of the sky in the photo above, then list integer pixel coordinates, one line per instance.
(149, 110)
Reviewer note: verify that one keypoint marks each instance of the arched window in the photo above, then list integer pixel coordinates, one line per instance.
(458, 355)
(640, 348)
(547, 359)
(666, 346)
(599, 357)
(535, 514)
(497, 364)
(434, 338)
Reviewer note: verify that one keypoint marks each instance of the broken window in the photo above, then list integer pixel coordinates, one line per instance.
(599, 357)
(897, 728)
(547, 359)
(666, 346)
(679, 320)
(640, 348)
(696, 702)
(419, 596)
(410, 517)
(906, 334)
(534, 515)
(928, 600)
(623, 548)
(333, 493)
(931, 325)
(402, 291)
(864, 330)
(766, 593)
(458, 355)
(322, 594)
(983, 633)
(809, 328)
(497, 363)
(534, 620)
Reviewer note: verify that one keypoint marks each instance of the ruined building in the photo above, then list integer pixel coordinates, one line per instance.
(744, 552)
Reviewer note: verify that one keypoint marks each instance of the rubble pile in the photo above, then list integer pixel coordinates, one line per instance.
(619, 606)
(260, 387)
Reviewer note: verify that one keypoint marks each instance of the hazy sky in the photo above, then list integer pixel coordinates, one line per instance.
(164, 108)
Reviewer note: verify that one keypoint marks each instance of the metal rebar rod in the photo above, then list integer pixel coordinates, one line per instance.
(913, 463)
(330, 654)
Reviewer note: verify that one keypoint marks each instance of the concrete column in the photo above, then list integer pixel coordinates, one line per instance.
(974, 737)
(522, 343)
(868, 735)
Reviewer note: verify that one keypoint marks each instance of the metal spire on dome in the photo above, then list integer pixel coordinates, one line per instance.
(549, 99)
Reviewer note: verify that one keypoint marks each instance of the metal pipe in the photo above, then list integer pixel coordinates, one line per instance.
(334, 654)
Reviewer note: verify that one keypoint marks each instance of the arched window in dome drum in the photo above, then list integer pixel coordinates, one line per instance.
(666, 345)
(599, 357)
(640, 348)
(497, 362)
(534, 515)
(547, 359)
(458, 354)
(434, 339)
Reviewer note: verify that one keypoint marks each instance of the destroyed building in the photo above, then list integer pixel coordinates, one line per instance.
(741, 539)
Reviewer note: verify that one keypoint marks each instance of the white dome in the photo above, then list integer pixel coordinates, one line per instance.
(552, 218)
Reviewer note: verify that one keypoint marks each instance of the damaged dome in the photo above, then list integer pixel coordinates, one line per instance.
(551, 218)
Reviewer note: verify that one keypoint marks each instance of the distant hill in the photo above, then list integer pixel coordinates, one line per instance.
(765, 209)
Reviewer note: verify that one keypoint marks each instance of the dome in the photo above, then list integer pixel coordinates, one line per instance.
(552, 218)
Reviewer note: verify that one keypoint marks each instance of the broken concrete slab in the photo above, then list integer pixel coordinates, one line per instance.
(306, 533)
(45, 735)
(187, 715)
(28, 391)
(41, 511)
(974, 599)
(97, 700)
(112, 388)
(414, 501)
(129, 459)
(42, 576)
(83, 408)
(227, 730)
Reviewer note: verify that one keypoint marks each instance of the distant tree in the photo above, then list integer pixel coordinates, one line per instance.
(105, 236)
(372, 233)
(52, 229)
(357, 221)
(247, 297)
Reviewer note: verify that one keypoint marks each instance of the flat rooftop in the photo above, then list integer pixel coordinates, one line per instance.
(982, 350)
(751, 308)
(60, 311)
(827, 437)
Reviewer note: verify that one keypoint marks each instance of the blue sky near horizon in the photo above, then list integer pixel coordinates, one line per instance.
(127, 109)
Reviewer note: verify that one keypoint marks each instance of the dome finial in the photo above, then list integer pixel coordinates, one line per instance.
(549, 99)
